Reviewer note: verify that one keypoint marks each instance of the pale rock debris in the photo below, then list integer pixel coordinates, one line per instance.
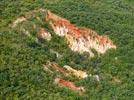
(77, 73)
(18, 21)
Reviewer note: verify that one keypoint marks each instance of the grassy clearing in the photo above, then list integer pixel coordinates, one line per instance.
(21, 58)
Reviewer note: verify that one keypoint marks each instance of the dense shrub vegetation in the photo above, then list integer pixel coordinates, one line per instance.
(21, 58)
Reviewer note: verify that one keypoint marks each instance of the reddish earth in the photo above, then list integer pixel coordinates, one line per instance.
(78, 38)
(69, 84)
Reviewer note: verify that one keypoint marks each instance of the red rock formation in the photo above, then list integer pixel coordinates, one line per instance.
(56, 67)
(66, 70)
(69, 85)
(79, 39)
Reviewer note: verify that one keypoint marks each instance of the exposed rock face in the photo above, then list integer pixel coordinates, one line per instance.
(79, 39)
(57, 68)
(24, 21)
(43, 34)
(77, 73)
(69, 84)
(67, 70)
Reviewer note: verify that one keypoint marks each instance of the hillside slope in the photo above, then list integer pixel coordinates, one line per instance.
(22, 75)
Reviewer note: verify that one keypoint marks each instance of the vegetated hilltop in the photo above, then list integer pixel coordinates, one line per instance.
(22, 74)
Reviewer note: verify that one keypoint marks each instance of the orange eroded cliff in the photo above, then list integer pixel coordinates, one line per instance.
(79, 39)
